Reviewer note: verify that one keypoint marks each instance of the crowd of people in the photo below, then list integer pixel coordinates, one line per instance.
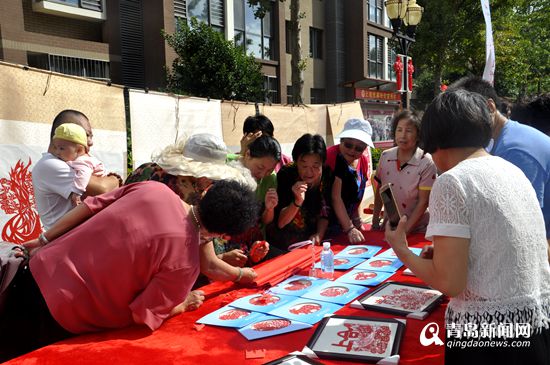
(474, 180)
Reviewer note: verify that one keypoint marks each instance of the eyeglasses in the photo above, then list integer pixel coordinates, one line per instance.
(350, 146)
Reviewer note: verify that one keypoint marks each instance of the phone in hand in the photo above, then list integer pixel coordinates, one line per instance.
(390, 205)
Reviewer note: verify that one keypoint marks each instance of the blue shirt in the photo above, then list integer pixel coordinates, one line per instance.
(528, 149)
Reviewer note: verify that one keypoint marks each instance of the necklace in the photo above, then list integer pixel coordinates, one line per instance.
(195, 219)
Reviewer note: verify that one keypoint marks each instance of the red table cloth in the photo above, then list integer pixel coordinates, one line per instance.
(179, 341)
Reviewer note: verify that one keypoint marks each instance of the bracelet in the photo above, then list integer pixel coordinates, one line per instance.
(239, 276)
(296, 205)
(120, 182)
(42, 239)
(347, 231)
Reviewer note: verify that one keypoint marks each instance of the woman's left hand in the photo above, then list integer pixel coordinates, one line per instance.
(193, 301)
(398, 237)
(271, 199)
(235, 257)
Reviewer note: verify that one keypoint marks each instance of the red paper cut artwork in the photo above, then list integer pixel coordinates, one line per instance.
(381, 263)
(408, 299)
(365, 275)
(295, 285)
(364, 338)
(357, 251)
(340, 261)
(233, 314)
(271, 325)
(17, 198)
(264, 300)
(334, 291)
(305, 308)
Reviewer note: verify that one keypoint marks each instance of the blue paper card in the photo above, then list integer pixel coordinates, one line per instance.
(344, 263)
(391, 254)
(378, 263)
(362, 251)
(297, 285)
(364, 277)
(267, 326)
(262, 302)
(305, 310)
(336, 292)
(230, 317)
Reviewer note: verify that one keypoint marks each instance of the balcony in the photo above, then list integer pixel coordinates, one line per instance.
(91, 10)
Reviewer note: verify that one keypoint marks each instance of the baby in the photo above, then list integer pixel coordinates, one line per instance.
(70, 145)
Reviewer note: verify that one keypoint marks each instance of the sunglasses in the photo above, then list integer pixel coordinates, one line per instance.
(350, 146)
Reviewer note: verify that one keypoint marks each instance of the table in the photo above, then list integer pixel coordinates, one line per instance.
(179, 342)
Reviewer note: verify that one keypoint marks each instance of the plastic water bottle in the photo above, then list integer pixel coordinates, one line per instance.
(327, 262)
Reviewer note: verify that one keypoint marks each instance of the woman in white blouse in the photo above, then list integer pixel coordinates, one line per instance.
(490, 249)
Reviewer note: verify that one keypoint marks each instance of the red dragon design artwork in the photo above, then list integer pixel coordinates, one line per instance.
(17, 198)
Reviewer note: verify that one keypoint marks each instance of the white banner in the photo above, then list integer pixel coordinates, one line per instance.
(489, 72)
(21, 146)
(160, 119)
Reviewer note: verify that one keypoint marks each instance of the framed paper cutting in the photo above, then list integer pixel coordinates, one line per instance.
(268, 326)
(362, 251)
(336, 292)
(357, 338)
(412, 301)
(297, 285)
(293, 360)
(364, 277)
(306, 310)
(230, 317)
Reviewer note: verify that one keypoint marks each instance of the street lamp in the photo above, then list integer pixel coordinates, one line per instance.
(404, 17)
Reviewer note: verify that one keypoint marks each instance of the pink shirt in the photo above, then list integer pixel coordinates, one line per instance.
(417, 174)
(133, 261)
(84, 167)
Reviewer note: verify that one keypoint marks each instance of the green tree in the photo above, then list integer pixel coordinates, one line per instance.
(210, 66)
(450, 43)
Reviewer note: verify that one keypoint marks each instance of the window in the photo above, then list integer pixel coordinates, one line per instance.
(288, 37)
(254, 34)
(318, 96)
(375, 11)
(84, 4)
(315, 43)
(271, 89)
(94, 69)
(207, 11)
(391, 60)
(376, 57)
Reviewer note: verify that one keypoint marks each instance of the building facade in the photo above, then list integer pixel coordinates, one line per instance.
(345, 44)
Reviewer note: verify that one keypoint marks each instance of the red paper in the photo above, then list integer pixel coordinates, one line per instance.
(255, 354)
(278, 269)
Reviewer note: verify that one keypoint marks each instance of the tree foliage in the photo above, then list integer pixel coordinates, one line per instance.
(210, 66)
(450, 43)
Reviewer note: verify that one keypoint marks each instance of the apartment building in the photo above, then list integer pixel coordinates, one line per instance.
(344, 43)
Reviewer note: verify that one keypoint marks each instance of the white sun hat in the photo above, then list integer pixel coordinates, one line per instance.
(358, 129)
(202, 155)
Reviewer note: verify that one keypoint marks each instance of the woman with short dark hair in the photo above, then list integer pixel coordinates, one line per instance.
(489, 245)
(409, 170)
(303, 188)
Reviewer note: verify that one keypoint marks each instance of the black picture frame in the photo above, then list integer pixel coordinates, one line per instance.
(316, 342)
(290, 357)
(427, 309)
